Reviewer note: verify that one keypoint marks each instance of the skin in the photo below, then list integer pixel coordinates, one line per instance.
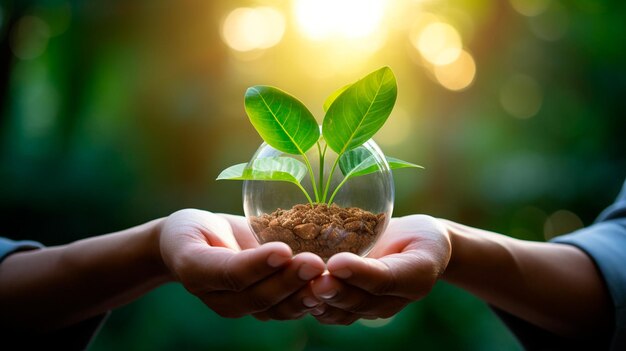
(554, 286)
(215, 257)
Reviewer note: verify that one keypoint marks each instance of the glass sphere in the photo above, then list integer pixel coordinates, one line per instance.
(358, 214)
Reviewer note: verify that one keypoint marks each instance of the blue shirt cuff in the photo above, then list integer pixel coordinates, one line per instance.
(8, 246)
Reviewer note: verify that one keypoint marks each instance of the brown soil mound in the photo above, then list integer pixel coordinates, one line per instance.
(320, 229)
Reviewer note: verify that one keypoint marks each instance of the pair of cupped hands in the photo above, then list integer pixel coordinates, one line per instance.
(217, 258)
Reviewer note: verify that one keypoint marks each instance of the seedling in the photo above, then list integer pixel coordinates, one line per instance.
(354, 113)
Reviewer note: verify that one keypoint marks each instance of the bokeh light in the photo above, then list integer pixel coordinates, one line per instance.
(418, 23)
(29, 37)
(530, 7)
(322, 19)
(439, 43)
(458, 74)
(521, 96)
(247, 29)
(115, 113)
(561, 222)
(552, 24)
(376, 323)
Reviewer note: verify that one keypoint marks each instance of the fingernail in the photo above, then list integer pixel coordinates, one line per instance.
(343, 273)
(308, 272)
(329, 294)
(319, 310)
(310, 302)
(277, 260)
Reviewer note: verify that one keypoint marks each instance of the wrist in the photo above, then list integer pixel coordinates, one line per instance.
(456, 248)
(153, 250)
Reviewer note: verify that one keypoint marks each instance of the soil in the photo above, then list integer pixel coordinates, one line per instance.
(321, 229)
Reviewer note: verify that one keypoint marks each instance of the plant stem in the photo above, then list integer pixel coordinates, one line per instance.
(322, 154)
(330, 176)
(332, 197)
(305, 194)
(308, 165)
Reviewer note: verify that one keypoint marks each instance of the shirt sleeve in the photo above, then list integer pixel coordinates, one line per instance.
(8, 247)
(74, 337)
(605, 243)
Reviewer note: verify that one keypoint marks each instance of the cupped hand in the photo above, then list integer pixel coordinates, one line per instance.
(217, 259)
(403, 267)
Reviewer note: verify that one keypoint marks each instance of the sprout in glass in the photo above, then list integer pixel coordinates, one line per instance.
(323, 189)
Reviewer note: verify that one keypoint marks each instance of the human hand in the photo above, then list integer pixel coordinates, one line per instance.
(217, 259)
(402, 267)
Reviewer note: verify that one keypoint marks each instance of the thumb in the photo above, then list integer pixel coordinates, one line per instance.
(408, 274)
(219, 268)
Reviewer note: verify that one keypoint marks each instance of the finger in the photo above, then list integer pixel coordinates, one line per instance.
(270, 291)
(220, 269)
(407, 275)
(198, 227)
(413, 232)
(333, 315)
(346, 297)
(294, 306)
(241, 230)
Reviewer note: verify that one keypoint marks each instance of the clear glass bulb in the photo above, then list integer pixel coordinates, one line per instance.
(358, 215)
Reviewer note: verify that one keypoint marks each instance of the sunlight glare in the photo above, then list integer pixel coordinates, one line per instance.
(247, 29)
(322, 19)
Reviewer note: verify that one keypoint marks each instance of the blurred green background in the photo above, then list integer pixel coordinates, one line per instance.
(117, 112)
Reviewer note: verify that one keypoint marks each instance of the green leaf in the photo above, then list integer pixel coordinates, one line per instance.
(284, 169)
(396, 163)
(353, 159)
(281, 119)
(360, 111)
(360, 161)
(329, 100)
(233, 172)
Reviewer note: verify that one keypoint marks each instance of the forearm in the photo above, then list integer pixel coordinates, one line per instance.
(554, 286)
(54, 287)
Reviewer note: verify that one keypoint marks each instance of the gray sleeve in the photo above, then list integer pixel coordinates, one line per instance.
(605, 243)
(74, 337)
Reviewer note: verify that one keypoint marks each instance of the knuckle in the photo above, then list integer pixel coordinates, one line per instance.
(185, 274)
(279, 316)
(358, 306)
(423, 285)
(259, 303)
(386, 284)
(283, 314)
(336, 317)
(229, 280)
